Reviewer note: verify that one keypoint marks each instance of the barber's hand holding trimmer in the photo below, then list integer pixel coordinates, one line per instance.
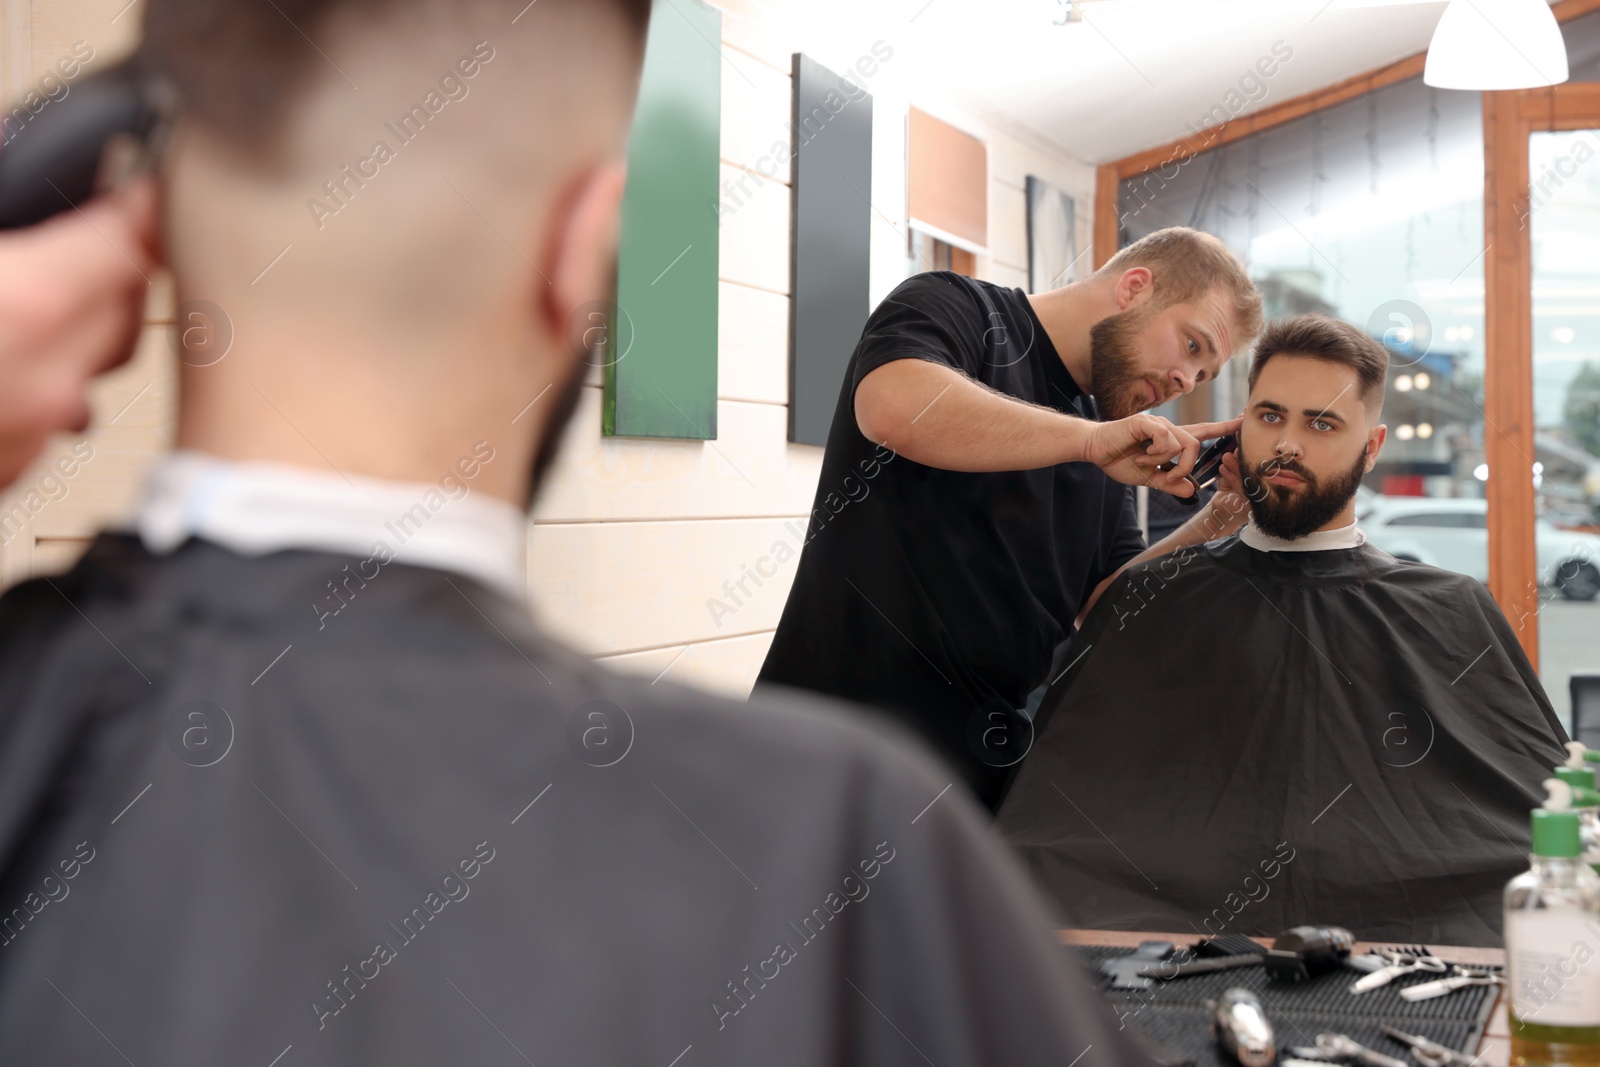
(72, 293)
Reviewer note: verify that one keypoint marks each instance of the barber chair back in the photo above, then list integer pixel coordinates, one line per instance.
(1586, 707)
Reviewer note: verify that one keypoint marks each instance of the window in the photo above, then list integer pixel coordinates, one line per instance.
(1372, 211)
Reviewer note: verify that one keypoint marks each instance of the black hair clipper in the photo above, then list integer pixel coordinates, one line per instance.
(1207, 467)
(104, 129)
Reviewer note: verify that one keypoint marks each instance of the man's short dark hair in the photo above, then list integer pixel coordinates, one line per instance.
(1316, 336)
(238, 64)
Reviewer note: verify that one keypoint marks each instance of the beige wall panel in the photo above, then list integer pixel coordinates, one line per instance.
(1001, 274)
(1008, 225)
(755, 116)
(757, 29)
(16, 554)
(1011, 161)
(110, 27)
(52, 556)
(16, 51)
(754, 235)
(728, 668)
(750, 469)
(752, 344)
(133, 412)
(135, 409)
(629, 586)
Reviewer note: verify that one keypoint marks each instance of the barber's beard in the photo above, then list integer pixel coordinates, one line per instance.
(1114, 363)
(1291, 513)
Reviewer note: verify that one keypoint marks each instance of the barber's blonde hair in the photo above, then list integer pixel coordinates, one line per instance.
(1185, 265)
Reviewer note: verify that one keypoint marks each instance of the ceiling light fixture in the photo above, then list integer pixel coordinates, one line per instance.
(1496, 44)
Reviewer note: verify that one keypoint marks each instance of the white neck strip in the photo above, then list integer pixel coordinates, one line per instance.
(1351, 536)
(258, 508)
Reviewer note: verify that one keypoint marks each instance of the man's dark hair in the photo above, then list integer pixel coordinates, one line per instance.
(238, 65)
(1321, 337)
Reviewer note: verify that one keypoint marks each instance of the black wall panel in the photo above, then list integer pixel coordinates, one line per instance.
(831, 225)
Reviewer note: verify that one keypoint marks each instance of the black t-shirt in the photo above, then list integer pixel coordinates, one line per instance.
(940, 595)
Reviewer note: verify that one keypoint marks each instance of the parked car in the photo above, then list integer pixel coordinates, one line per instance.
(1366, 500)
(1454, 534)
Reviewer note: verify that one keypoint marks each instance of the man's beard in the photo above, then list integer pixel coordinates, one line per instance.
(548, 446)
(1114, 363)
(1292, 513)
(581, 335)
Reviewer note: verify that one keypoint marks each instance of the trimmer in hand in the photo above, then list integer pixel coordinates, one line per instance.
(82, 144)
(1207, 467)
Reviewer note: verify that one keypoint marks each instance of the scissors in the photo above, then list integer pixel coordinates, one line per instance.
(1400, 963)
(1339, 1047)
(1430, 1053)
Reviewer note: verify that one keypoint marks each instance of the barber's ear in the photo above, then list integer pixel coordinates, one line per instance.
(1135, 284)
(581, 251)
(1375, 441)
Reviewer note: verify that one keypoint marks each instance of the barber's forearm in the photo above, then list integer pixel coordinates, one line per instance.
(939, 417)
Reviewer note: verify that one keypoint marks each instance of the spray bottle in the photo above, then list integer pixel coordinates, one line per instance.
(1552, 936)
(1584, 799)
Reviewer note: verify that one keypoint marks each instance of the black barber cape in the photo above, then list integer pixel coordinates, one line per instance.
(940, 595)
(1257, 740)
(423, 834)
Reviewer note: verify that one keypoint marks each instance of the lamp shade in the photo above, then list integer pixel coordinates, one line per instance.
(1496, 44)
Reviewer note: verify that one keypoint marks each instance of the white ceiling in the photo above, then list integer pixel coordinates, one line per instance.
(1134, 73)
(1137, 73)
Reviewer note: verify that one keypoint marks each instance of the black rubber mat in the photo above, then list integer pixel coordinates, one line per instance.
(1175, 1013)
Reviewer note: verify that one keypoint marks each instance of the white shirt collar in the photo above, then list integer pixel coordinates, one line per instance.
(258, 508)
(1351, 536)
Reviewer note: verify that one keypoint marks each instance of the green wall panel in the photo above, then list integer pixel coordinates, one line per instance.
(663, 380)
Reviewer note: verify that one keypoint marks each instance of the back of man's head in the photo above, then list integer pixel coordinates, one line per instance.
(392, 202)
(248, 73)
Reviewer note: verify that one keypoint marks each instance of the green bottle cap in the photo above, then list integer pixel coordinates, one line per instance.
(1579, 778)
(1593, 755)
(1555, 834)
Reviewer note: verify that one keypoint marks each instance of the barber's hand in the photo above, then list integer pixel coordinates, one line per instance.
(72, 293)
(1230, 507)
(1129, 450)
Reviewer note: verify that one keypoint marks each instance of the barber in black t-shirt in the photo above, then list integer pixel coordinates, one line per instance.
(975, 498)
